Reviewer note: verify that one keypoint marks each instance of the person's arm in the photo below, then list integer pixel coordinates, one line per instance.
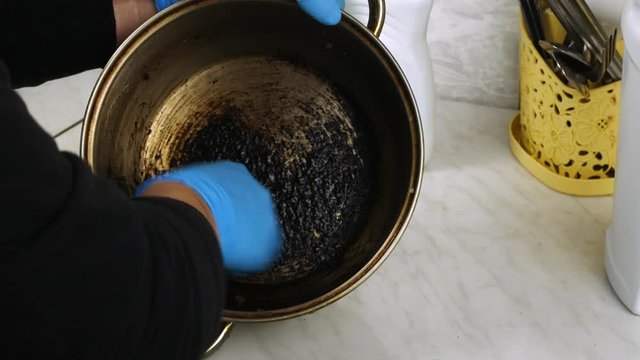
(85, 272)
(43, 40)
(130, 14)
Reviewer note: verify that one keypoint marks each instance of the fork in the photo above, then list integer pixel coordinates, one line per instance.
(599, 69)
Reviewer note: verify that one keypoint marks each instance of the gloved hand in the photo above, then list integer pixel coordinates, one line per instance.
(326, 12)
(250, 235)
(163, 4)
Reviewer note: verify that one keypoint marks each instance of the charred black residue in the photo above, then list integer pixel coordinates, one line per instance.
(321, 196)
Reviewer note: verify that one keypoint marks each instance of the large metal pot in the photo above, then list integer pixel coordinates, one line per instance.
(154, 92)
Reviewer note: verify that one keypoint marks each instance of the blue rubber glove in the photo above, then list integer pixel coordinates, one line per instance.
(326, 12)
(163, 4)
(250, 235)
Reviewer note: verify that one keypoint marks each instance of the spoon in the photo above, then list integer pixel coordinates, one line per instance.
(594, 70)
(570, 64)
(575, 79)
(571, 56)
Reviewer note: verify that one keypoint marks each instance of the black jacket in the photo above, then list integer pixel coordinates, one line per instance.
(85, 272)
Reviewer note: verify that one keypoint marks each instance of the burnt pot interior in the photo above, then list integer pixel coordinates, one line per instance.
(158, 90)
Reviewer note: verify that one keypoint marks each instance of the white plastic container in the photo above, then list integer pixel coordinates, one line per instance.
(622, 251)
(405, 35)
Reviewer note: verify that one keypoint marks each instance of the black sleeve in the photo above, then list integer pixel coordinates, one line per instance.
(42, 40)
(85, 272)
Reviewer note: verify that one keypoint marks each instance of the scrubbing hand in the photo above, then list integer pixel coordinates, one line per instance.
(243, 210)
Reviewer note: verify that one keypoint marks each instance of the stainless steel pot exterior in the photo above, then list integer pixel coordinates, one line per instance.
(135, 90)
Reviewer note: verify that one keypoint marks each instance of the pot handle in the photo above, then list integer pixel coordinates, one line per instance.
(377, 14)
(222, 337)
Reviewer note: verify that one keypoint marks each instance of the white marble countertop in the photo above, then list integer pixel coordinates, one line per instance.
(493, 266)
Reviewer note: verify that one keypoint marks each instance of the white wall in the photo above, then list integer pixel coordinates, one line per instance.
(474, 47)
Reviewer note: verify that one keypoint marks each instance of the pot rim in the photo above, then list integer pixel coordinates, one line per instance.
(349, 23)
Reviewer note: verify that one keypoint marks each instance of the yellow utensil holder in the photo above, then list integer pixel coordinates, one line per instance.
(564, 139)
